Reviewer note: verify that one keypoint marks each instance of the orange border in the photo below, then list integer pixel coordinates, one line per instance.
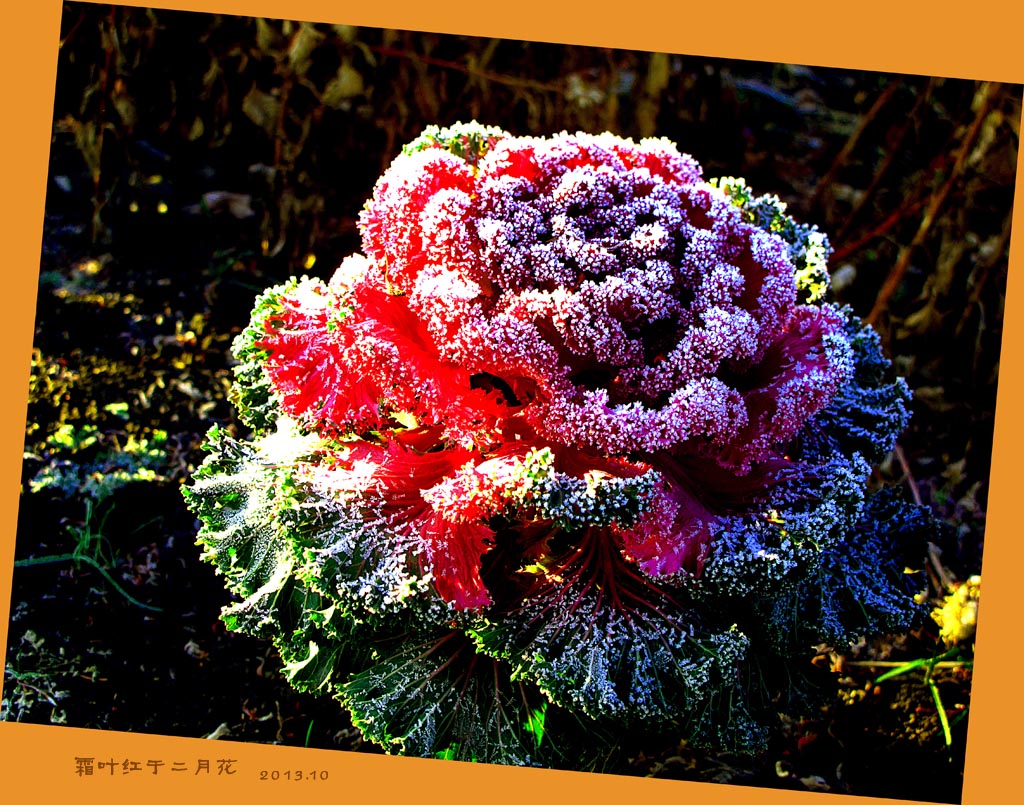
(941, 38)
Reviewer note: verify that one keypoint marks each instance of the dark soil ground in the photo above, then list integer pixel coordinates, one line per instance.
(145, 278)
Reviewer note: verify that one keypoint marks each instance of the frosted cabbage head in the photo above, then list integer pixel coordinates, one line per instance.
(591, 419)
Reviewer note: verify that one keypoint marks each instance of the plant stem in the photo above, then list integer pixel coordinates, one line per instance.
(66, 557)
(942, 711)
(891, 664)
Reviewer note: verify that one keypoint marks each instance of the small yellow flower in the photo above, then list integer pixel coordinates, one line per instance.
(958, 615)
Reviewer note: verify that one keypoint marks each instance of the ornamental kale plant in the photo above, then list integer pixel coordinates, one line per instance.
(577, 452)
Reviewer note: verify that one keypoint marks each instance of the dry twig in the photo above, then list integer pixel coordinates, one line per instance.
(984, 97)
(851, 143)
(892, 150)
